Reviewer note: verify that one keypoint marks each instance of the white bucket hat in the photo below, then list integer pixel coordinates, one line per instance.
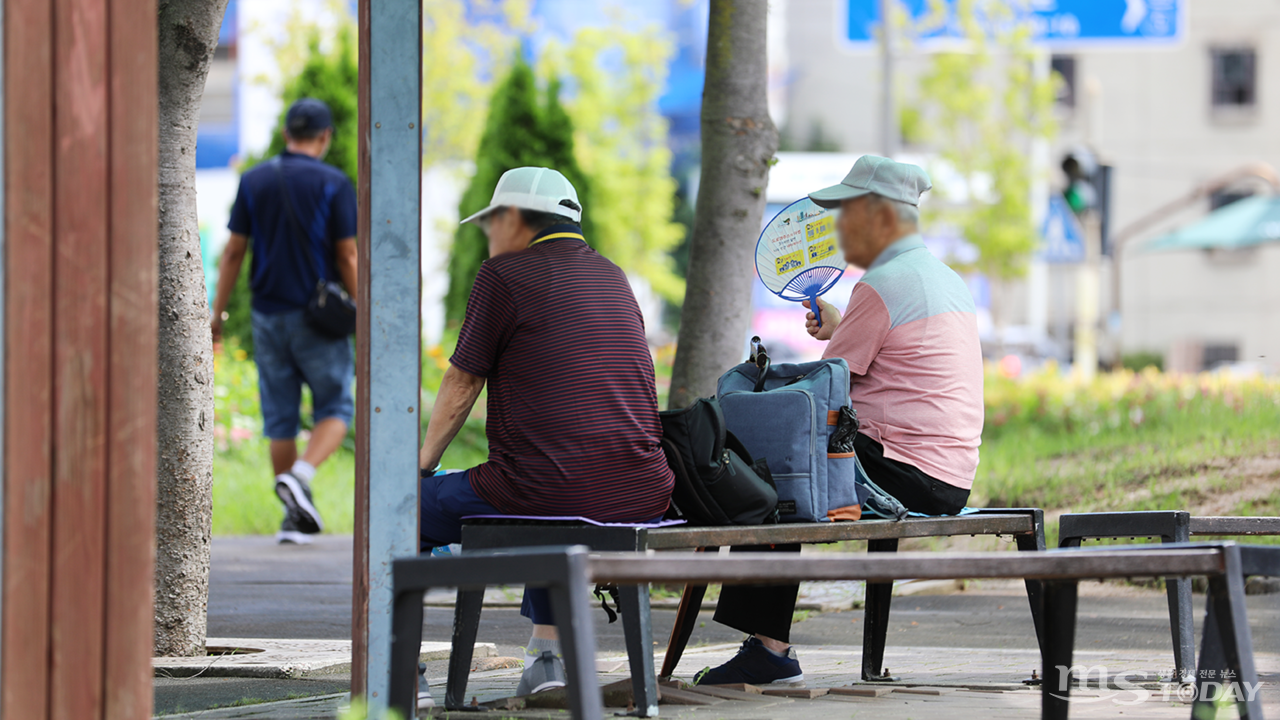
(534, 188)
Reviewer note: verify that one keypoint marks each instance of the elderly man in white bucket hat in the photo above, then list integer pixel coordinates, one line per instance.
(555, 332)
(910, 336)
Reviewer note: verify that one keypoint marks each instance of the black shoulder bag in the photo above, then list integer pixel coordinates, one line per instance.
(331, 311)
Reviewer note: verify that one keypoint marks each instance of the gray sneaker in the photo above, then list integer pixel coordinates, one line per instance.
(290, 534)
(544, 673)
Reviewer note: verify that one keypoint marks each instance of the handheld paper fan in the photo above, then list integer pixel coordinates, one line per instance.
(798, 257)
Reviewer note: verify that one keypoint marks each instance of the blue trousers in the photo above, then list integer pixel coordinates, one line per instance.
(445, 500)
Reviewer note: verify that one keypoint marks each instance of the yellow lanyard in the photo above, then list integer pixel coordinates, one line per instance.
(555, 236)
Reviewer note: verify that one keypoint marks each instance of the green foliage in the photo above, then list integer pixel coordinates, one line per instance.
(616, 75)
(360, 711)
(982, 108)
(466, 47)
(1139, 361)
(523, 129)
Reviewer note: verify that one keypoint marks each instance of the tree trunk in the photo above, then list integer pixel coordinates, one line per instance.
(738, 144)
(184, 432)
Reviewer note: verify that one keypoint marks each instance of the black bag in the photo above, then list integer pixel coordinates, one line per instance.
(331, 311)
(717, 482)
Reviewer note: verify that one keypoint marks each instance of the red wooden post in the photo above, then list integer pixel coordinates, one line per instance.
(80, 160)
(131, 426)
(79, 356)
(28, 472)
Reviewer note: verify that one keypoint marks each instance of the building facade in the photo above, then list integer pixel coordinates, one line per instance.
(1170, 118)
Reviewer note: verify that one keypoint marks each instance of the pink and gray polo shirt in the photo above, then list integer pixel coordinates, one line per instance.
(910, 336)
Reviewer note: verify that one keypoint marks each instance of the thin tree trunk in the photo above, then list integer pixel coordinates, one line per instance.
(738, 144)
(184, 432)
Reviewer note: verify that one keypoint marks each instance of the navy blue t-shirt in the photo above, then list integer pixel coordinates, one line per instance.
(281, 278)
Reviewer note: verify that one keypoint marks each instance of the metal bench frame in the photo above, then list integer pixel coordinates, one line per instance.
(566, 573)
(1171, 526)
(1025, 525)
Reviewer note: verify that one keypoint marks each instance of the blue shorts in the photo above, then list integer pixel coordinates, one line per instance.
(289, 353)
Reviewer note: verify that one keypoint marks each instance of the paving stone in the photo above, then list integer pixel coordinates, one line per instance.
(861, 691)
(806, 693)
(730, 692)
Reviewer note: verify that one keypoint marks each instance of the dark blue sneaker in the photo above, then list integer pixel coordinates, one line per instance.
(754, 665)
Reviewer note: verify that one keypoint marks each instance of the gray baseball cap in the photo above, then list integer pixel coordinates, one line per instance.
(881, 176)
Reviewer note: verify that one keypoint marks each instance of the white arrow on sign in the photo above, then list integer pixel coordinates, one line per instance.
(1134, 13)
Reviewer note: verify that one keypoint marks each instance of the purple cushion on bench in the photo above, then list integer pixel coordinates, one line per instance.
(588, 521)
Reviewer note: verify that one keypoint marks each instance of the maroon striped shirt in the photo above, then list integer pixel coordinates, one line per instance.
(573, 414)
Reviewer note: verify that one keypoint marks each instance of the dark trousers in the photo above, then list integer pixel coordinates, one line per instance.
(767, 609)
(444, 501)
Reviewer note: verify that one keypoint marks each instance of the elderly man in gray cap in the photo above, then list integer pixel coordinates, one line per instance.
(910, 336)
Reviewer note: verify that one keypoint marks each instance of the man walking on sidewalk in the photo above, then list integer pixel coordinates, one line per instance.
(301, 216)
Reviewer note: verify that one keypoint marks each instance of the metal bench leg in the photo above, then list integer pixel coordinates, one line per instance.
(466, 623)
(1059, 645)
(633, 604)
(1228, 646)
(875, 619)
(1181, 621)
(572, 609)
(406, 644)
(1035, 588)
(686, 618)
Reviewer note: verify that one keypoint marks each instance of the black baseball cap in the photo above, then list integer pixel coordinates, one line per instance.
(307, 118)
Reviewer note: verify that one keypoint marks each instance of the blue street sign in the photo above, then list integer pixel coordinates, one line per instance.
(1062, 234)
(1057, 24)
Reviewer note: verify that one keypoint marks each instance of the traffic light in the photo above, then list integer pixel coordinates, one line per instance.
(1089, 189)
(1081, 168)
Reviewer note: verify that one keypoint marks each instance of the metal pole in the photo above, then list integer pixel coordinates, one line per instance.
(1087, 283)
(1086, 360)
(389, 356)
(888, 114)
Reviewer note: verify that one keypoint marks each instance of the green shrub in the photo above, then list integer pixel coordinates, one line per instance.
(1139, 361)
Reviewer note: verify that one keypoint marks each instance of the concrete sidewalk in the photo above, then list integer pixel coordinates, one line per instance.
(978, 683)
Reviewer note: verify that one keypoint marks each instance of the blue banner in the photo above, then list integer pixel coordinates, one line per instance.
(1058, 24)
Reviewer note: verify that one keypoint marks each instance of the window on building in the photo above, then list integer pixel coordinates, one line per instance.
(1235, 79)
(1064, 66)
(1216, 356)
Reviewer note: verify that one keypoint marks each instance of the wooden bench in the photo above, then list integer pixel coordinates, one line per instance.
(1171, 526)
(1024, 525)
(566, 572)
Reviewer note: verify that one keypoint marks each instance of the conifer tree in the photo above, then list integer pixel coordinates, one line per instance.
(520, 131)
